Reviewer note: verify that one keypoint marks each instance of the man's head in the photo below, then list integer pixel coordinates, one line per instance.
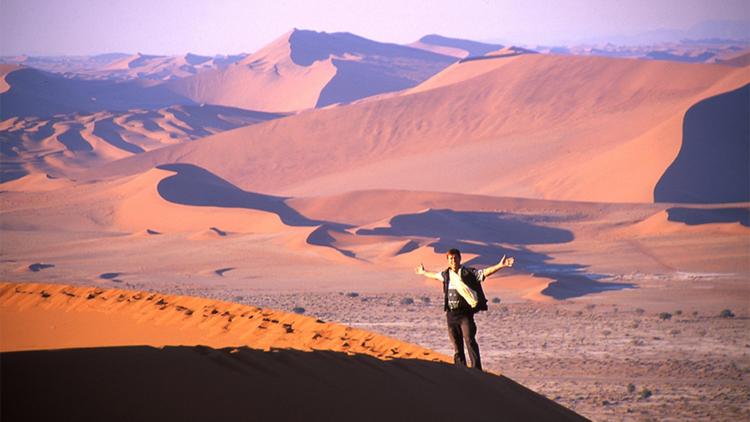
(454, 259)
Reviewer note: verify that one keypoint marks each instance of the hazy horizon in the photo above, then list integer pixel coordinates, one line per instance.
(85, 27)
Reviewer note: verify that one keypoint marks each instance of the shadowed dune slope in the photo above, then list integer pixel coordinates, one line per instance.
(36, 93)
(234, 361)
(553, 127)
(200, 383)
(713, 165)
(305, 69)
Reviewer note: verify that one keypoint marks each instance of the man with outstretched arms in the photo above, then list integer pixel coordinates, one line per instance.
(463, 298)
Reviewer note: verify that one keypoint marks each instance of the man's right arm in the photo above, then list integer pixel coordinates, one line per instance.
(421, 271)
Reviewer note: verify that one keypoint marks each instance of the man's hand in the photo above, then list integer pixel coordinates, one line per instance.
(504, 263)
(507, 262)
(420, 269)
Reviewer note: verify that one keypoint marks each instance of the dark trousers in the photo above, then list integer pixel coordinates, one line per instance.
(462, 329)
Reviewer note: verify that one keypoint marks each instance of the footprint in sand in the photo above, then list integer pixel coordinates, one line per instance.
(218, 231)
(38, 266)
(220, 272)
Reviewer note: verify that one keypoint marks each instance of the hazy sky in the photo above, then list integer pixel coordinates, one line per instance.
(232, 26)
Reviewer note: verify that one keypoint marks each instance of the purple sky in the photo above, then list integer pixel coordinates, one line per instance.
(74, 27)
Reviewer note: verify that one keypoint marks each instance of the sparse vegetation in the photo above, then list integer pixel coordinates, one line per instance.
(639, 311)
(298, 310)
(726, 313)
(631, 388)
(495, 300)
(407, 301)
(678, 312)
(675, 333)
(352, 294)
(426, 300)
(645, 393)
(664, 316)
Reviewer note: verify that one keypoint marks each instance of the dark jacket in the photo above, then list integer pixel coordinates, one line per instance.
(470, 280)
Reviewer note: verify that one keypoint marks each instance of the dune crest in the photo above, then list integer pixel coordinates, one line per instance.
(53, 316)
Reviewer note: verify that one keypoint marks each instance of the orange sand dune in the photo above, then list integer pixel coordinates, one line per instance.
(306, 69)
(232, 361)
(5, 69)
(554, 127)
(53, 316)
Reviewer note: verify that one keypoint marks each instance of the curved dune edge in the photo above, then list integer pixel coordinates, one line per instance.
(55, 316)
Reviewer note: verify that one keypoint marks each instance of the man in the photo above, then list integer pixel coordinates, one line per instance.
(463, 298)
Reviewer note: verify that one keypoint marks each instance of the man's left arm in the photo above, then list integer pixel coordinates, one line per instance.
(504, 263)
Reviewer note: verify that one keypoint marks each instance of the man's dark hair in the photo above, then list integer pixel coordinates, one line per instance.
(454, 252)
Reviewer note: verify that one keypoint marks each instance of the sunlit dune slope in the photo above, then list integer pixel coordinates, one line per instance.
(95, 317)
(306, 69)
(455, 47)
(539, 126)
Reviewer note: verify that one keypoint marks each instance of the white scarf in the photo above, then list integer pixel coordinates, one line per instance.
(455, 282)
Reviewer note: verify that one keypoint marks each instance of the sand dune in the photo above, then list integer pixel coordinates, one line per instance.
(554, 127)
(453, 46)
(68, 142)
(95, 317)
(164, 68)
(306, 69)
(35, 93)
(250, 361)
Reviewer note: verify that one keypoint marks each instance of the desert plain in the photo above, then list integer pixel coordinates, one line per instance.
(303, 183)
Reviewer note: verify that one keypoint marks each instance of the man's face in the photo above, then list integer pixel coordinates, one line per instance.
(454, 261)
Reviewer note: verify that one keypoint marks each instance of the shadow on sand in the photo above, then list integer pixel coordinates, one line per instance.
(712, 165)
(487, 234)
(204, 384)
(696, 216)
(192, 185)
